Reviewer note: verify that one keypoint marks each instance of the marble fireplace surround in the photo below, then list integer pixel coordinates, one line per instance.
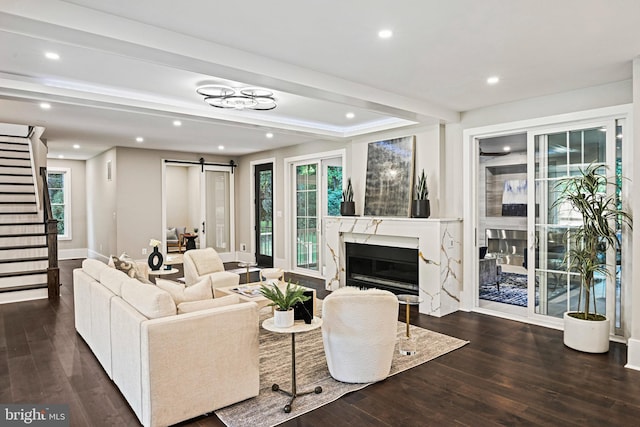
(439, 253)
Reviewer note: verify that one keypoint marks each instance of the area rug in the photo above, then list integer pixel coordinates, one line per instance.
(513, 290)
(311, 366)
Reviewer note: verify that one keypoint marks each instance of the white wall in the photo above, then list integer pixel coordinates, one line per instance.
(177, 187)
(101, 204)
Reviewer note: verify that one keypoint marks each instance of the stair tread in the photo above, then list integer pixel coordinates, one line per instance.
(17, 192)
(9, 248)
(4, 224)
(23, 273)
(29, 259)
(23, 235)
(18, 213)
(17, 202)
(24, 287)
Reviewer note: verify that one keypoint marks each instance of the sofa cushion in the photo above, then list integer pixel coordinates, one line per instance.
(191, 306)
(149, 300)
(182, 293)
(93, 267)
(112, 279)
(129, 266)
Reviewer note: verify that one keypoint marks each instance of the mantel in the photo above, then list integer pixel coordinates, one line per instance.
(439, 249)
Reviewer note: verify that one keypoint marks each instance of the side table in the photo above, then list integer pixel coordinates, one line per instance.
(247, 265)
(163, 272)
(191, 241)
(298, 327)
(407, 345)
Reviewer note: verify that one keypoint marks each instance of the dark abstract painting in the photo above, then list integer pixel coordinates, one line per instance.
(389, 177)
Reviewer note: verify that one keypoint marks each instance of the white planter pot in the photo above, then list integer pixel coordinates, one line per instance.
(588, 336)
(283, 319)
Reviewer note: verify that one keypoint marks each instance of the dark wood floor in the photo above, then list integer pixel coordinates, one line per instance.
(510, 374)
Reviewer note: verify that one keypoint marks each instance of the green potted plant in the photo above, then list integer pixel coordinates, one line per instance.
(585, 329)
(283, 302)
(420, 207)
(347, 206)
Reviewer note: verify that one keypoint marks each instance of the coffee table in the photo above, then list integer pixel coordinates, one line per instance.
(258, 299)
(297, 328)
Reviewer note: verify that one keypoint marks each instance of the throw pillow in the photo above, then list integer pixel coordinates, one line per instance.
(190, 307)
(182, 293)
(128, 265)
(172, 234)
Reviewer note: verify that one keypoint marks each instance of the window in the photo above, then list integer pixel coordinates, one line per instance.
(59, 182)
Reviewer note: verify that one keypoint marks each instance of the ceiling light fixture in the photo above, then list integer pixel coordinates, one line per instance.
(139, 139)
(177, 123)
(220, 147)
(493, 80)
(385, 34)
(45, 105)
(350, 115)
(52, 55)
(76, 146)
(251, 98)
(269, 135)
(60, 156)
(506, 148)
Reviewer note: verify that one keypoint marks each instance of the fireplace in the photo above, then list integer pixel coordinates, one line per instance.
(385, 267)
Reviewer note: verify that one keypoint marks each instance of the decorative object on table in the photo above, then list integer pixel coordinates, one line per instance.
(420, 207)
(586, 193)
(271, 274)
(283, 315)
(155, 258)
(389, 177)
(347, 206)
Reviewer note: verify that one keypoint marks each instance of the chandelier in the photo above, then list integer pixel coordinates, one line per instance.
(251, 98)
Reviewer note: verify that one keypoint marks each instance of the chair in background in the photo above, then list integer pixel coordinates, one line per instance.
(359, 332)
(201, 263)
(175, 238)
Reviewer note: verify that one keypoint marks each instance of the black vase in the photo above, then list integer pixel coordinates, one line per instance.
(347, 208)
(155, 259)
(420, 209)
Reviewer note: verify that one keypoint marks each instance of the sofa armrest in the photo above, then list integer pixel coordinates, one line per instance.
(198, 362)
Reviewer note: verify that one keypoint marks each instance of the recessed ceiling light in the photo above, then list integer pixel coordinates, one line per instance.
(139, 139)
(76, 146)
(493, 80)
(350, 115)
(506, 148)
(385, 34)
(52, 55)
(269, 135)
(177, 123)
(220, 147)
(60, 156)
(45, 105)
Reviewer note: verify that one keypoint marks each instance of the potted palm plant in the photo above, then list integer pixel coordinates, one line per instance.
(347, 206)
(283, 302)
(420, 207)
(585, 329)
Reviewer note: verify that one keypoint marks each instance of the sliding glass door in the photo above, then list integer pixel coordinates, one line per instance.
(306, 216)
(560, 154)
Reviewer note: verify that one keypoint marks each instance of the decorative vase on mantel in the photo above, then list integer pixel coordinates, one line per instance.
(420, 208)
(347, 208)
(155, 259)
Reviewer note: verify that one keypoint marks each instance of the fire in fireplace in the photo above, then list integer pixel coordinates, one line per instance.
(384, 267)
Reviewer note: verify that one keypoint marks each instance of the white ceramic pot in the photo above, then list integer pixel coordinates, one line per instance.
(271, 273)
(588, 336)
(283, 319)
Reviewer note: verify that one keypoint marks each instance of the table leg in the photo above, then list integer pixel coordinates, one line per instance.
(294, 392)
(407, 320)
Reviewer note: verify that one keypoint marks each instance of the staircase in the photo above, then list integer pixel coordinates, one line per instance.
(24, 255)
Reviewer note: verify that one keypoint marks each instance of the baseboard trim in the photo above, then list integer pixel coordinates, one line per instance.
(633, 354)
(73, 253)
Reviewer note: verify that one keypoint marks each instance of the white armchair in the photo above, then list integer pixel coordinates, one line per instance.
(200, 263)
(359, 332)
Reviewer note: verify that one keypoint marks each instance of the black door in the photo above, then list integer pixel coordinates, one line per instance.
(263, 183)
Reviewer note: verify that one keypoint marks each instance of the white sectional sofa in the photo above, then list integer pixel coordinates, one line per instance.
(170, 367)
